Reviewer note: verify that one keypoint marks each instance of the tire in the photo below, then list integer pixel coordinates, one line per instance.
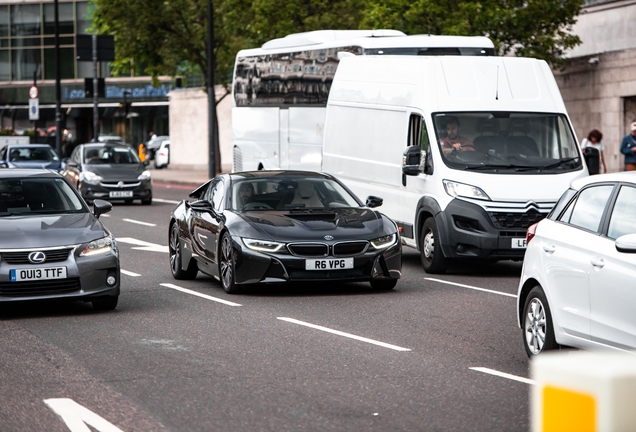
(147, 202)
(105, 303)
(433, 259)
(227, 264)
(384, 285)
(176, 267)
(538, 328)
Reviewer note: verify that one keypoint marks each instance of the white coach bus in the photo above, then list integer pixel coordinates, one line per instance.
(280, 91)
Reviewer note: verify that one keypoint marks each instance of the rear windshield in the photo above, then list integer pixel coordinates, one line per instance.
(37, 196)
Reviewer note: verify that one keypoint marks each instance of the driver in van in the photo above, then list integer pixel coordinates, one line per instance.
(245, 192)
(453, 140)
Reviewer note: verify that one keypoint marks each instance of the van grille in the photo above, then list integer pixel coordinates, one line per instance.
(506, 220)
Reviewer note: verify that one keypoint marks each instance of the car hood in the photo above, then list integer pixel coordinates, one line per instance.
(53, 165)
(117, 172)
(25, 232)
(314, 225)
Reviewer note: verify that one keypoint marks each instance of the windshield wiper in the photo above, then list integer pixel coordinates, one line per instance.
(500, 166)
(559, 163)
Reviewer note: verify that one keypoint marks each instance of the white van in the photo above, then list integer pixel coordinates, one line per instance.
(467, 152)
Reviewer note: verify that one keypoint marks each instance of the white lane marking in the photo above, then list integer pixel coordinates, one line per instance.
(143, 245)
(472, 287)
(504, 375)
(76, 416)
(166, 201)
(104, 215)
(347, 335)
(129, 273)
(198, 294)
(139, 222)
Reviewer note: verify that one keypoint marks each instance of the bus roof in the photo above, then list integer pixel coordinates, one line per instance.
(323, 39)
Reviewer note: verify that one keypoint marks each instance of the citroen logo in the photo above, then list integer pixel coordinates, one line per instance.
(37, 257)
(328, 237)
(120, 184)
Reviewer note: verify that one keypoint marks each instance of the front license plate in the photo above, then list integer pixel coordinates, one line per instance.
(518, 243)
(120, 194)
(329, 264)
(39, 273)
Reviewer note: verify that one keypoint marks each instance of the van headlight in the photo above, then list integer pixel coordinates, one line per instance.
(456, 189)
(100, 246)
(384, 242)
(90, 177)
(263, 245)
(144, 175)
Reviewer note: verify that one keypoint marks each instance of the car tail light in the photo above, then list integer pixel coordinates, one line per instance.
(162, 154)
(532, 230)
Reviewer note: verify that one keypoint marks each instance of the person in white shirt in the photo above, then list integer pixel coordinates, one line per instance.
(594, 140)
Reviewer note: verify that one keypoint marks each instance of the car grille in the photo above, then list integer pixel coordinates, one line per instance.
(506, 220)
(309, 249)
(39, 288)
(124, 184)
(349, 248)
(22, 257)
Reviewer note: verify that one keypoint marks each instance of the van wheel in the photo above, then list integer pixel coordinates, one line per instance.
(433, 260)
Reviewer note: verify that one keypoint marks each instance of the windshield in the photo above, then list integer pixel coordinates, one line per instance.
(22, 154)
(507, 142)
(37, 196)
(288, 193)
(111, 155)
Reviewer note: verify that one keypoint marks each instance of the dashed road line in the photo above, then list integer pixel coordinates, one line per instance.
(139, 222)
(143, 245)
(472, 287)
(347, 335)
(504, 375)
(129, 273)
(166, 201)
(198, 294)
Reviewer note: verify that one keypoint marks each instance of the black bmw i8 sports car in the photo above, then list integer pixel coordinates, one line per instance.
(282, 226)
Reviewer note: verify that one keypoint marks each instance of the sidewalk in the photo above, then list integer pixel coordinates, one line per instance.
(183, 177)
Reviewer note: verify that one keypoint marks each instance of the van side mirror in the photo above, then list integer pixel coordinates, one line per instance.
(411, 161)
(374, 201)
(626, 243)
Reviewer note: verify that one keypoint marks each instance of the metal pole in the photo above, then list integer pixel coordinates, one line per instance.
(95, 95)
(58, 91)
(211, 95)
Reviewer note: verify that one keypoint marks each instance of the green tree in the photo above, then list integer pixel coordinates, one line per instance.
(532, 28)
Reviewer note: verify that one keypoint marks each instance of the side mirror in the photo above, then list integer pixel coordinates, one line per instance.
(374, 201)
(411, 161)
(626, 243)
(3, 164)
(100, 207)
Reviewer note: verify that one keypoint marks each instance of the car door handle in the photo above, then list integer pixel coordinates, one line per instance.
(549, 249)
(598, 262)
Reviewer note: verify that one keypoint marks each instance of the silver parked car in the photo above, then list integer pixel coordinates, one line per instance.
(51, 245)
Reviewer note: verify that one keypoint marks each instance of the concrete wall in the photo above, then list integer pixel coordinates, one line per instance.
(189, 129)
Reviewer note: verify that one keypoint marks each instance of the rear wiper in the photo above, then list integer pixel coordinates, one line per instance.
(559, 163)
(495, 166)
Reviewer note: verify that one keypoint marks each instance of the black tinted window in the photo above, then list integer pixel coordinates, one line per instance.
(623, 219)
(589, 207)
(37, 195)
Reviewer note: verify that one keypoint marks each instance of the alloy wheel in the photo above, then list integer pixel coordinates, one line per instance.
(175, 253)
(535, 326)
(226, 261)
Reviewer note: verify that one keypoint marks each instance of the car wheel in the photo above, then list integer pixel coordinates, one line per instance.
(176, 267)
(226, 265)
(433, 260)
(105, 303)
(385, 285)
(538, 328)
(147, 202)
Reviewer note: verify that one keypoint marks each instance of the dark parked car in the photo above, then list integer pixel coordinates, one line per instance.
(109, 171)
(51, 245)
(280, 226)
(30, 156)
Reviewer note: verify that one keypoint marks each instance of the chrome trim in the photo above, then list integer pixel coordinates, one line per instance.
(115, 186)
(35, 249)
(513, 207)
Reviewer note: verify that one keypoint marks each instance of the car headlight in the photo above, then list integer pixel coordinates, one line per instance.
(100, 246)
(90, 177)
(456, 189)
(263, 245)
(384, 241)
(144, 175)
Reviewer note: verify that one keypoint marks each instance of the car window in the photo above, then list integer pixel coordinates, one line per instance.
(37, 195)
(207, 195)
(560, 205)
(623, 219)
(217, 196)
(589, 207)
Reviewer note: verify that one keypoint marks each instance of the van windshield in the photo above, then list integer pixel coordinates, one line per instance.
(507, 142)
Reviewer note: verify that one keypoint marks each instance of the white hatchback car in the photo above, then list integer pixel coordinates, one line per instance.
(578, 283)
(162, 155)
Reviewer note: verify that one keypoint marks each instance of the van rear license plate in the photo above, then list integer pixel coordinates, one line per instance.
(40, 273)
(120, 194)
(329, 264)
(519, 243)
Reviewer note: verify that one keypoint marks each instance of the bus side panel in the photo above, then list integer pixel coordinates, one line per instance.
(306, 127)
(255, 132)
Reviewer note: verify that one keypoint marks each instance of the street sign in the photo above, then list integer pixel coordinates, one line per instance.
(33, 92)
(34, 109)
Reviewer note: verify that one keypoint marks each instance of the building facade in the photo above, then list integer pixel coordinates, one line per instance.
(27, 57)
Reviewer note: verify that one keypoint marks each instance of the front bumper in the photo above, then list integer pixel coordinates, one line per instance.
(141, 190)
(256, 267)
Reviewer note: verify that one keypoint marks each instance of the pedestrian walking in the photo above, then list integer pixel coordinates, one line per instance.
(593, 147)
(628, 148)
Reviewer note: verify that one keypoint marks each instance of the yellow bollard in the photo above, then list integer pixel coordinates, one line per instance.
(584, 392)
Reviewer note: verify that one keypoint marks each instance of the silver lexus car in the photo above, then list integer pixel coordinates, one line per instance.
(51, 245)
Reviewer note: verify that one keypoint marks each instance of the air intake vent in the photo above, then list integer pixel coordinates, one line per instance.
(349, 248)
(309, 249)
(57, 255)
(238, 160)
